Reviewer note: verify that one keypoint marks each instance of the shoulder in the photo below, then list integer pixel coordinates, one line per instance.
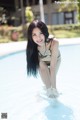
(53, 40)
(54, 43)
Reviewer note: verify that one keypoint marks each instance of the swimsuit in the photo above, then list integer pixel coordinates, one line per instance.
(47, 56)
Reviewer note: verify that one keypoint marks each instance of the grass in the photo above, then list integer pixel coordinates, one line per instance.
(67, 33)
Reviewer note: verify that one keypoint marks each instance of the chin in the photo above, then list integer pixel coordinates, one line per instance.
(41, 43)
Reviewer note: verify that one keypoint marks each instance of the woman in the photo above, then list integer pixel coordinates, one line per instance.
(43, 55)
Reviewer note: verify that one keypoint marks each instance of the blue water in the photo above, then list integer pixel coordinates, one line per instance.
(13, 65)
(18, 92)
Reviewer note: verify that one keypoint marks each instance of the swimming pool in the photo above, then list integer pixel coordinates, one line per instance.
(18, 92)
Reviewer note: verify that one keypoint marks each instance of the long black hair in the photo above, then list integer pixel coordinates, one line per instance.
(31, 50)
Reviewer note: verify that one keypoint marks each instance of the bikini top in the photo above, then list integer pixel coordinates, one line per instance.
(46, 55)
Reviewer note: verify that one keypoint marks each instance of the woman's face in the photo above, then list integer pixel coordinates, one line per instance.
(38, 37)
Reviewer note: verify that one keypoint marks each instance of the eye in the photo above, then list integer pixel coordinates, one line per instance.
(41, 33)
(33, 34)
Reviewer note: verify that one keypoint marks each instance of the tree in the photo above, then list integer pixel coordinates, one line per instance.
(29, 14)
(67, 5)
(78, 10)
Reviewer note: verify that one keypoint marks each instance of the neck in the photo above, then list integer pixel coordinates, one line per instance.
(42, 49)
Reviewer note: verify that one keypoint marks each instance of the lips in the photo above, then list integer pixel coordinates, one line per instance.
(39, 41)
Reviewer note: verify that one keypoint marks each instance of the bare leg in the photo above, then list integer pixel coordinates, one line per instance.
(49, 79)
(45, 74)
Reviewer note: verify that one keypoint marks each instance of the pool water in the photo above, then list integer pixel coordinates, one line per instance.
(18, 93)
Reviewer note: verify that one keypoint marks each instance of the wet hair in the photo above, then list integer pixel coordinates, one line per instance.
(31, 50)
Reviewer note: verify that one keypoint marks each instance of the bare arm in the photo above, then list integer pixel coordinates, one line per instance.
(48, 75)
(54, 50)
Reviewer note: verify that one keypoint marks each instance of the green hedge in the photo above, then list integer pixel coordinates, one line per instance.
(64, 27)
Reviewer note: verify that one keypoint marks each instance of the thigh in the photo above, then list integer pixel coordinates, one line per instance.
(42, 65)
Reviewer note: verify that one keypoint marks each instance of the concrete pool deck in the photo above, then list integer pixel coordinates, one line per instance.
(7, 48)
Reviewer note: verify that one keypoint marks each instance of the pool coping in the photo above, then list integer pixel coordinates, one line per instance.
(8, 48)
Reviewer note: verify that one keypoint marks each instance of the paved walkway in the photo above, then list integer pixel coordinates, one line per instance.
(7, 48)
